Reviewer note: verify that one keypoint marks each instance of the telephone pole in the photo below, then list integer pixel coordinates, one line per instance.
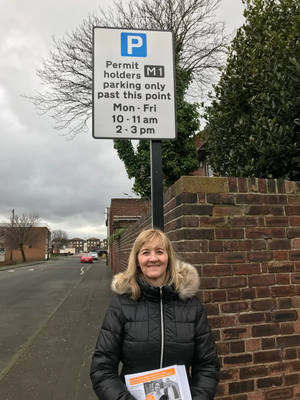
(12, 225)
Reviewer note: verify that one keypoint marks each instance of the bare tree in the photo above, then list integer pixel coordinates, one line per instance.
(20, 231)
(59, 238)
(200, 47)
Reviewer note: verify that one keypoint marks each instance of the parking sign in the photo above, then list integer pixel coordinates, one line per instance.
(133, 84)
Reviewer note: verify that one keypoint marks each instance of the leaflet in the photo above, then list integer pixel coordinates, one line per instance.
(160, 384)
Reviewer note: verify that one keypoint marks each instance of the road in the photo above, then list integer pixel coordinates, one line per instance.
(50, 316)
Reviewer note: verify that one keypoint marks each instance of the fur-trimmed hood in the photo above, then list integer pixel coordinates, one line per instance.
(188, 282)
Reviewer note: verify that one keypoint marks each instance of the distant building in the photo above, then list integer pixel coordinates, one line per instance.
(86, 245)
(37, 252)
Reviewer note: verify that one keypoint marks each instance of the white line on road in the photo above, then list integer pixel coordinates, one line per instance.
(82, 270)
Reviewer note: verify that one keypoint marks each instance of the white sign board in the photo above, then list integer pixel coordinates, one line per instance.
(133, 84)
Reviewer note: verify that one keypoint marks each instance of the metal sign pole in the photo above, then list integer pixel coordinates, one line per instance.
(157, 185)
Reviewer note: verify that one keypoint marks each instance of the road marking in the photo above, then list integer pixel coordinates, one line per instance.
(30, 269)
(82, 270)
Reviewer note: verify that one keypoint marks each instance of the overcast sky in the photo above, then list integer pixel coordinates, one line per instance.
(68, 183)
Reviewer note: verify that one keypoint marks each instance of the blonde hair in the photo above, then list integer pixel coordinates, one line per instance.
(134, 273)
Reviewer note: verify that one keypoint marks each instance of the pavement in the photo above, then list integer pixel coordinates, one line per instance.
(55, 363)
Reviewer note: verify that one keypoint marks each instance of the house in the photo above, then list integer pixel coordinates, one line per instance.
(121, 214)
(40, 250)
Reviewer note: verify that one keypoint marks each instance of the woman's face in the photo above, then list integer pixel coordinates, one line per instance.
(157, 387)
(153, 261)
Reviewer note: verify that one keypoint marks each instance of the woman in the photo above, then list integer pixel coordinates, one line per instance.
(155, 320)
(158, 394)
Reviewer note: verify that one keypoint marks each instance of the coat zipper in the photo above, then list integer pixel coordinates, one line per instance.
(162, 327)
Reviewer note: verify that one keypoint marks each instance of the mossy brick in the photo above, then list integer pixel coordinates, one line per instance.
(294, 200)
(259, 244)
(259, 233)
(213, 222)
(243, 221)
(213, 198)
(281, 266)
(230, 245)
(262, 210)
(226, 210)
(253, 185)
(195, 184)
(262, 185)
(227, 199)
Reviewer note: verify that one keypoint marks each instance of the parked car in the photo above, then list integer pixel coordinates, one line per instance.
(95, 255)
(86, 258)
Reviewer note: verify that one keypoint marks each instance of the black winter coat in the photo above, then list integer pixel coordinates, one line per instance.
(160, 329)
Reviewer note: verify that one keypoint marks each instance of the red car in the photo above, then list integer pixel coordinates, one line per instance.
(86, 258)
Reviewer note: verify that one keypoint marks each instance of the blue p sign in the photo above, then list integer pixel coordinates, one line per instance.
(133, 45)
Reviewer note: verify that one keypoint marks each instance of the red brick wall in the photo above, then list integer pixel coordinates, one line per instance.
(123, 208)
(243, 236)
(37, 253)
